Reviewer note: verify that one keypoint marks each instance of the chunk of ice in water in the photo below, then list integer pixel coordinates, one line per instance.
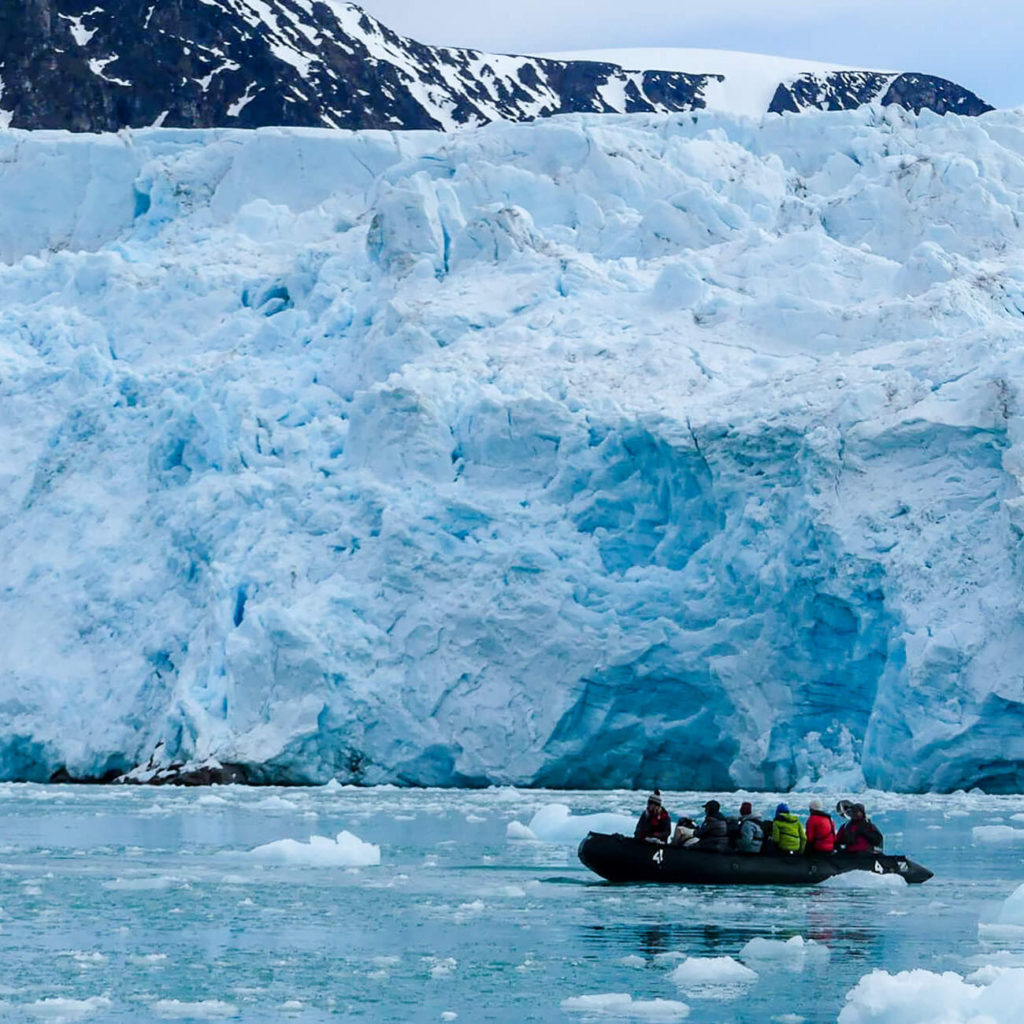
(792, 954)
(205, 1009)
(997, 835)
(700, 972)
(345, 850)
(60, 1009)
(623, 1006)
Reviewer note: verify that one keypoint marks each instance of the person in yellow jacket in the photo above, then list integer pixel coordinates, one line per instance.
(787, 831)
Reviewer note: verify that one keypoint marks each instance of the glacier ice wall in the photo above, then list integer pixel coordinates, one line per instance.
(588, 452)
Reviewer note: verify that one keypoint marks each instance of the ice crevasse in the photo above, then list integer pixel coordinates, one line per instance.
(598, 451)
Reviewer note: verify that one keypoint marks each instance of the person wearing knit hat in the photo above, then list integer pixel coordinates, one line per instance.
(820, 830)
(654, 825)
(787, 831)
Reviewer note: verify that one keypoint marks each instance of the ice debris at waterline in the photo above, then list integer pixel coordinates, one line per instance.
(344, 851)
(1008, 922)
(555, 823)
(922, 997)
(535, 454)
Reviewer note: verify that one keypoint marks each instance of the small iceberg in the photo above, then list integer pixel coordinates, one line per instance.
(344, 851)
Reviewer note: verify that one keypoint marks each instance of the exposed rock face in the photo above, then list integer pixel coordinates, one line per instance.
(844, 90)
(89, 66)
(188, 63)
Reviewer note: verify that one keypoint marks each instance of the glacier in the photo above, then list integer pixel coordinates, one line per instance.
(601, 451)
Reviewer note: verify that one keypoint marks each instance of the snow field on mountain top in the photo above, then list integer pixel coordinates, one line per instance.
(750, 79)
(536, 453)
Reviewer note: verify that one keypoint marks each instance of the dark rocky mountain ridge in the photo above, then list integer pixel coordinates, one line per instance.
(100, 65)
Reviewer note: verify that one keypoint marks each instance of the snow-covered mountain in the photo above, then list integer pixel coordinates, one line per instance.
(597, 451)
(99, 65)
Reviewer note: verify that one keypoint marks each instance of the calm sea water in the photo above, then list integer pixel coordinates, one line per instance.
(145, 904)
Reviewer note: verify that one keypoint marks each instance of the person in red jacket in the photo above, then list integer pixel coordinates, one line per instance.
(859, 834)
(821, 833)
(654, 825)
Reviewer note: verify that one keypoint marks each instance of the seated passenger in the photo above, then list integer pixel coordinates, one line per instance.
(821, 833)
(713, 831)
(787, 832)
(751, 830)
(654, 824)
(859, 834)
(684, 833)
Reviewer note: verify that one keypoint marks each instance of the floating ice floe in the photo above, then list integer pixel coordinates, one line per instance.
(713, 977)
(555, 823)
(621, 1004)
(923, 997)
(1009, 921)
(793, 954)
(60, 1009)
(206, 1009)
(865, 880)
(633, 961)
(212, 800)
(344, 851)
(274, 803)
(441, 967)
(997, 835)
(148, 959)
(146, 883)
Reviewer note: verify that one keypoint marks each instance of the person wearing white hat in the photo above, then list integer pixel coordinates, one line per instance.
(821, 832)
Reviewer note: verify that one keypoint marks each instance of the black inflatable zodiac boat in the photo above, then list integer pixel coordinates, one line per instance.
(625, 859)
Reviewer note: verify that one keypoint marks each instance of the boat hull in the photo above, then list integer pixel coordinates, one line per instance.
(620, 858)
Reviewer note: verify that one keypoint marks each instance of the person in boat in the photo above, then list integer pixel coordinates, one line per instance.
(859, 834)
(788, 834)
(820, 831)
(750, 834)
(654, 825)
(713, 831)
(684, 834)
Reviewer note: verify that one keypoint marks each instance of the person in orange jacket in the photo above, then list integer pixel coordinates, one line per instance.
(821, 832)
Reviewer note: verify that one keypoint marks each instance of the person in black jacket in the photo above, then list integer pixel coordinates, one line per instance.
(654, 825)
(859, 834)
(713, 831)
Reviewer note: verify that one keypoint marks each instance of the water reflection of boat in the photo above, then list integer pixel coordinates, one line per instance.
(625, 859)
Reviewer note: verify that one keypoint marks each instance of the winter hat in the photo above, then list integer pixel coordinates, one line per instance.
(781, 809)
(655, 797)
(712, 806)
(746, 808)
(816, 804)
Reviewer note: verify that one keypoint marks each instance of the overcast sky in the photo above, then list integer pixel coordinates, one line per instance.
(977, 43)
